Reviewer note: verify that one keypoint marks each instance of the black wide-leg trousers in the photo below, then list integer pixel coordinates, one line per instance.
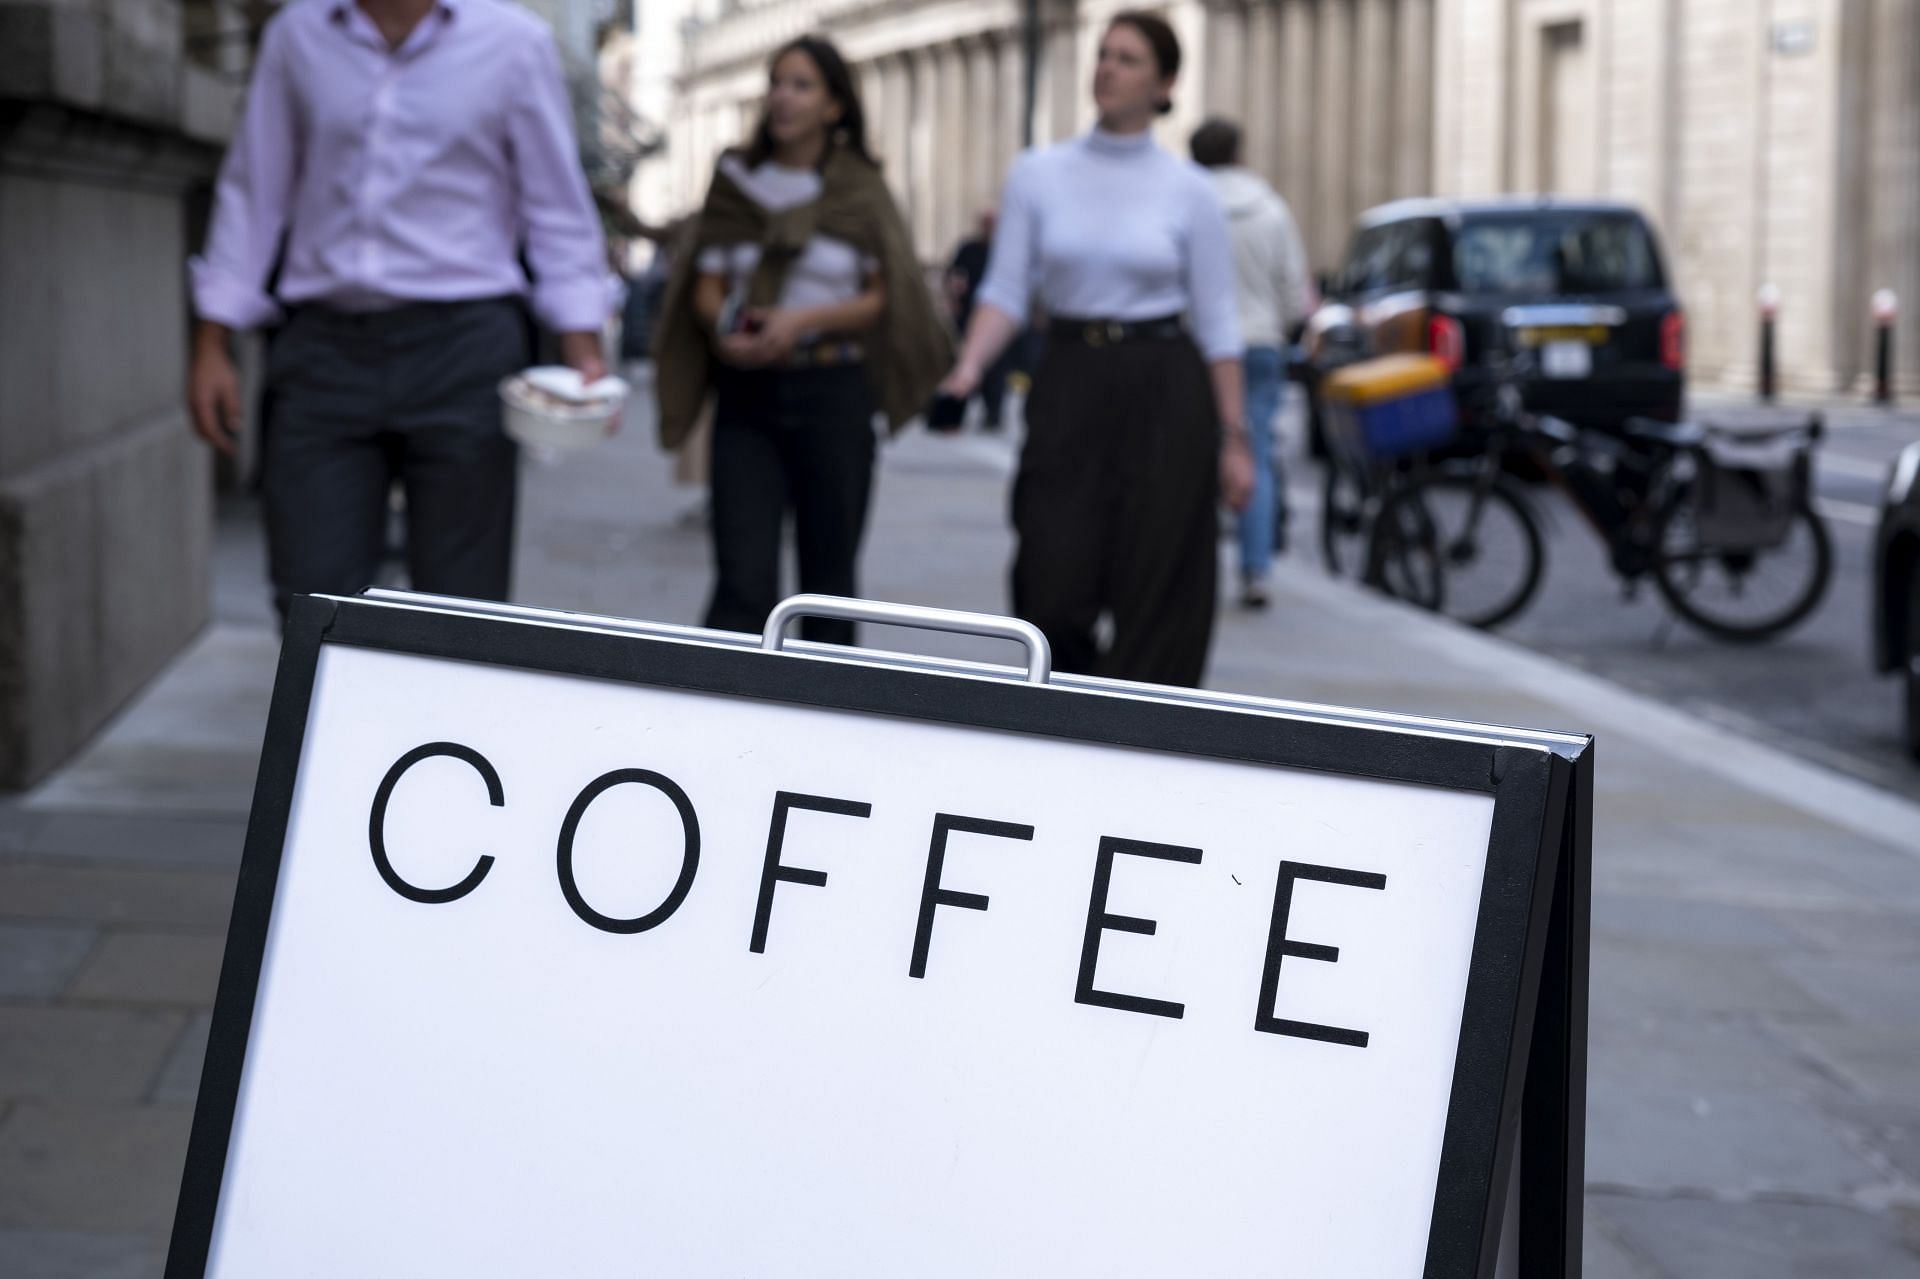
(1114, 507)
(408, 395)
(798, 440)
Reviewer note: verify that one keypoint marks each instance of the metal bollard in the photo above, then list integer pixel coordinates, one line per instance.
(1886, 309)
(1768, 299)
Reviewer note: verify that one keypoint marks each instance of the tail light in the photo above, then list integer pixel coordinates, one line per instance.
(1447, 340)
(1673, 340)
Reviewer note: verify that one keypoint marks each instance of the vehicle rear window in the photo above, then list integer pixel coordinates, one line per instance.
(1550, 253)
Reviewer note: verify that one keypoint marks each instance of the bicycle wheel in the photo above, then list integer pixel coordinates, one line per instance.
(1404, 558)
(1743, 596)
(1484, 537)
(1343, 518)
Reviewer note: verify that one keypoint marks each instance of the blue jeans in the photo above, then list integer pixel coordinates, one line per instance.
(1266, 375)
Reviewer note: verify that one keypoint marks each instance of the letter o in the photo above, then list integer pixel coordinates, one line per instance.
(377, 821)
(689, 856)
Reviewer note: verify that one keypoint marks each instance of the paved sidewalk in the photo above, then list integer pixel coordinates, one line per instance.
(1755, 1091)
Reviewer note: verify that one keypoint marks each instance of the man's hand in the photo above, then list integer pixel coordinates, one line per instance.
(1236, 470)
(582, 352)
(213, 389)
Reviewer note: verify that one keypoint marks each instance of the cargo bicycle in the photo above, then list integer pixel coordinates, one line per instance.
(1719, 516)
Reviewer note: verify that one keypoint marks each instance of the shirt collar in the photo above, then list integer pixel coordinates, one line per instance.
(1120, 144)
(351, 18)
(339, 8)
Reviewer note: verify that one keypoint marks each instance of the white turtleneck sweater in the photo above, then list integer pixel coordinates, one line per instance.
(1111, 227)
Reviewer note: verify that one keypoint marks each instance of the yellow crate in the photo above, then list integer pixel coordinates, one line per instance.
(1388, 377)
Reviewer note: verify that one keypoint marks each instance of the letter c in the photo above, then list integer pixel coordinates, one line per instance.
(376, 826)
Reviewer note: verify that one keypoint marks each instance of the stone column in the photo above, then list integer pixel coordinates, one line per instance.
(891, 127)
(920, 148)
(949, 148)
(1333, 119)
(1225, 67)
(1013, 104)
(1893, 183)
(872, 101)
(982, 128)
(1298, 78)
(1375, 93)
(1060, 83)
(1413, 126)
(1260, 78)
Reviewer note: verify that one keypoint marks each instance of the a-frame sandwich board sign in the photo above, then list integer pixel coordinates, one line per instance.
(567, 945)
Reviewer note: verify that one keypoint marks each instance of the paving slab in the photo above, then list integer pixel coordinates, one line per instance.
(112, 894)
(179, 1082)
(1876, 1058)
(78, 1254)
(1696, 1239)
(152, 968)
(38, 960)
(100, 1055)
(119, 836)
(106, 1168)
(1684, 1142)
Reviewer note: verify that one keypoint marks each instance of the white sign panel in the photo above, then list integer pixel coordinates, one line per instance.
(579, 976)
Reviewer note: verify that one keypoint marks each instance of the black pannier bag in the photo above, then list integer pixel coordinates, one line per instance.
(1750, 484)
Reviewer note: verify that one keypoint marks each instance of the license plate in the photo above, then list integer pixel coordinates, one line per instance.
(1591, 334)
(1566, 359)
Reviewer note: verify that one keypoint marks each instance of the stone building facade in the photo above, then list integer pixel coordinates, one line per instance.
(944, 83)
(1772, 141)
(109, 135)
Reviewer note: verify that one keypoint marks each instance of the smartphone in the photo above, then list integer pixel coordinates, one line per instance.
(733, 311)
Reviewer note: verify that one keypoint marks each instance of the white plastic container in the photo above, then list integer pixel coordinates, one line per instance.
(549, 407)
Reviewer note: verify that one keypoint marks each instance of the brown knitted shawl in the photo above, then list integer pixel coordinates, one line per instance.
(908, 351)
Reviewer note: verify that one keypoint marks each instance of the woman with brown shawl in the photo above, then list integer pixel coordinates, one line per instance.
(798, 301)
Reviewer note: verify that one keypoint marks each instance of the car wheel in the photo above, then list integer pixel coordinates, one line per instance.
(1912, 664)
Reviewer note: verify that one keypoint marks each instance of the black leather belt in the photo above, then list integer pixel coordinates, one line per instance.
(825, 355)
(1114, 332)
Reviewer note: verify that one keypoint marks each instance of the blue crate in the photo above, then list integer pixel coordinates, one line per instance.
(1407, 424)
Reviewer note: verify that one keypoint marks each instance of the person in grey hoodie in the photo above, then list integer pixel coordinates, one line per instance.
(1275, 293)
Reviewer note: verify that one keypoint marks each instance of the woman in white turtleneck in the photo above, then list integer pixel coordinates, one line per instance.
(1134, 427)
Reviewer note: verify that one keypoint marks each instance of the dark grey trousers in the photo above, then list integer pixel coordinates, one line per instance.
(358, 402)
(1115, 509)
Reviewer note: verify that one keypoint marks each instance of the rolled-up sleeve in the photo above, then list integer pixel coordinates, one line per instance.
(1213, 308)
(1008, 285)
(253, 200)
(557, 216)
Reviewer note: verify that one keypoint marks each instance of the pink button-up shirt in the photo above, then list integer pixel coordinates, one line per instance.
(404, 175)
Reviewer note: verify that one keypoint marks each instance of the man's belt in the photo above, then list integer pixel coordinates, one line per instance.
(1115, 332)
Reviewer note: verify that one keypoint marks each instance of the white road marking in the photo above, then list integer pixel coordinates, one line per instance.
(1847, 512)
(1858, 468)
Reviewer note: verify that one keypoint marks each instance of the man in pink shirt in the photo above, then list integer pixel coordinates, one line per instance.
(398, 161)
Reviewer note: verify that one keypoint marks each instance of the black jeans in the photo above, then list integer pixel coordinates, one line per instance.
(797, 440)
(359, 401)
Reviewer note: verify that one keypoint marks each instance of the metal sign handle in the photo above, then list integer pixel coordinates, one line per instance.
(1039, 654)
